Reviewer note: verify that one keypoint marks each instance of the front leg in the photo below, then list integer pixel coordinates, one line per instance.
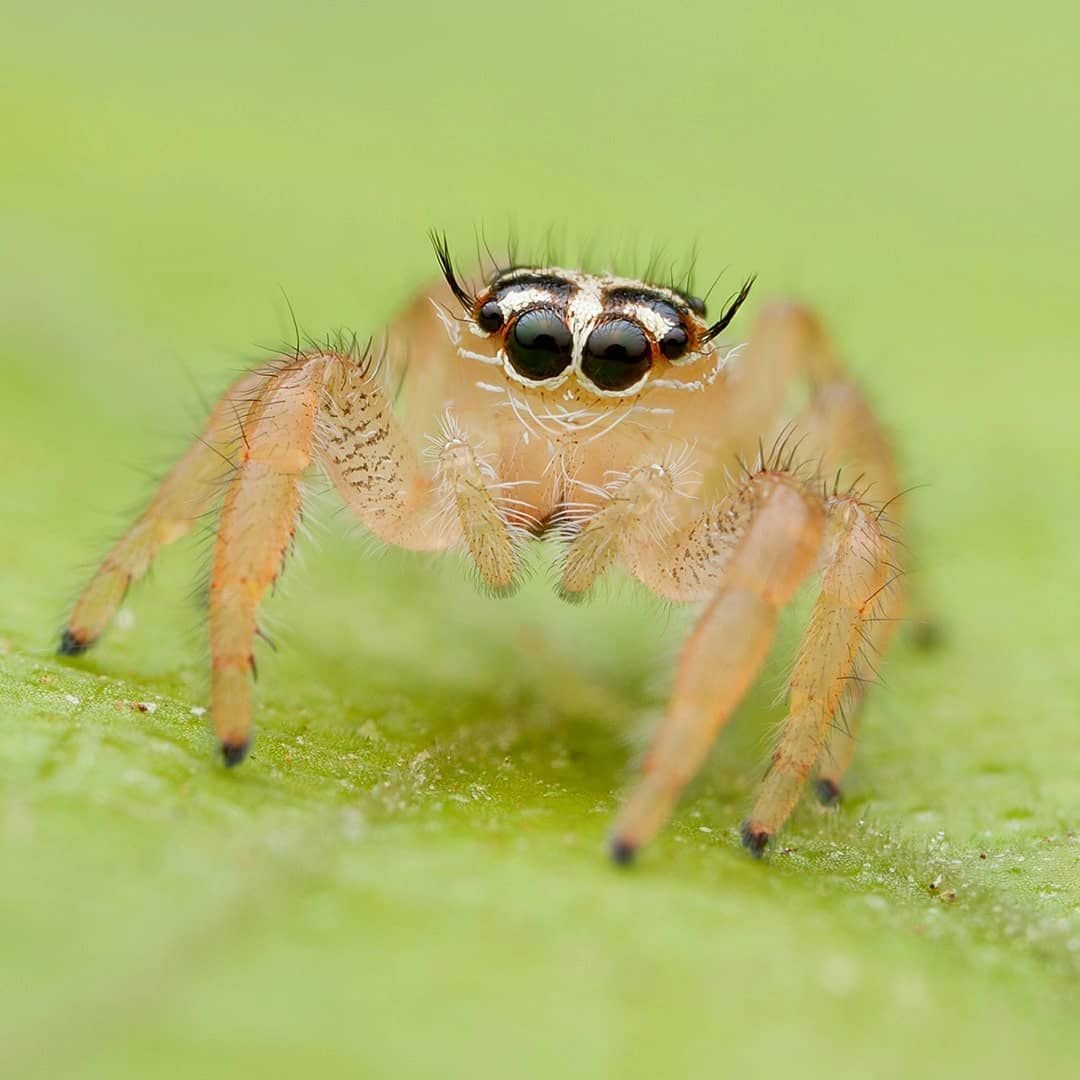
(258, 519)
(766, 539)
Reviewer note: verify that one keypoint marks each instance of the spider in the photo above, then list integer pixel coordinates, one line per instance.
(600, 409)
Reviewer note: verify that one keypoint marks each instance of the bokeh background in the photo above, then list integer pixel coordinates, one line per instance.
(407, 878)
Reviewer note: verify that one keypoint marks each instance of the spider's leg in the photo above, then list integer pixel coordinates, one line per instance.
(258, 519)
(379, 476)
(182, 498)
(757, 545)
(767, 536)
(837, 432)
(856, 578)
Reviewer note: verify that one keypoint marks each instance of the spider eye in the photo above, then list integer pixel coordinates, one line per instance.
(539, 346)
(490, 317)
(673, 343)
(616, 355)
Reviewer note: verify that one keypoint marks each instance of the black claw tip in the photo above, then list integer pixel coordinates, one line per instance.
(754, 840)
(828, 792)
(623, 852)
(70, 645)
(235, 753)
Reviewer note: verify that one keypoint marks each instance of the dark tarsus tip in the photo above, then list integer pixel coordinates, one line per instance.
(70, 645)
(754, 840)
(828, 792)
(623, 852)
(233, 755)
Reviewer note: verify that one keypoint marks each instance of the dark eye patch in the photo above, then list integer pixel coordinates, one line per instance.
(527, 279)
(660, 304)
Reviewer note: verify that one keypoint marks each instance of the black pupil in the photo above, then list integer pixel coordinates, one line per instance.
(539, 345)
(616, 355)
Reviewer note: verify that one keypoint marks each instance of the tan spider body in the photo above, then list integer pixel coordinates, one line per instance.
(603, 410)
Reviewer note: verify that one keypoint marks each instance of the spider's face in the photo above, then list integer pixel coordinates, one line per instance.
(610, 335)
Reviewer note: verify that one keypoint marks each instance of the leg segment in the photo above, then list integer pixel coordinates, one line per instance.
(837, 430)
(855, 578)
(774, 534)
(258, 519)
(183, 497)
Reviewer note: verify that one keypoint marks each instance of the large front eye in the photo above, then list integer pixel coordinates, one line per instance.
(539, 345)
(616, 355)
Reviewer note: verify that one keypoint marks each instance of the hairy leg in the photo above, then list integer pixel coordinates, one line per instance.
(258, 519)
(332, 406)
(177, 505)
(837, 430)
(855, 582)
(842, 431)
(766, 538)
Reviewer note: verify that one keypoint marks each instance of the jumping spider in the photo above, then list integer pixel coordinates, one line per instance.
(604, 409)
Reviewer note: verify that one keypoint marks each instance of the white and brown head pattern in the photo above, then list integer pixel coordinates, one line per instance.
(612, 336)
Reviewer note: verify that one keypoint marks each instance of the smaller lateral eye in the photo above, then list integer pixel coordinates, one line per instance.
(673, 343)
(490, 317)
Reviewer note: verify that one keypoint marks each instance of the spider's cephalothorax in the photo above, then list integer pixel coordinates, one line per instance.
(606, 407)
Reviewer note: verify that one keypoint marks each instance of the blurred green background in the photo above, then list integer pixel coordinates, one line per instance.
(407, 878)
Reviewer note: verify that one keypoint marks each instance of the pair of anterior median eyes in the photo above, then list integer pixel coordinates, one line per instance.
(617, 353)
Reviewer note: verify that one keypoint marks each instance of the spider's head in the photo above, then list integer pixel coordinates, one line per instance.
(611, 335)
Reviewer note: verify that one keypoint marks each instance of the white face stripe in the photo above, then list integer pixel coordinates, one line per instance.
(651, 319)
(586, 306)
(519, 298)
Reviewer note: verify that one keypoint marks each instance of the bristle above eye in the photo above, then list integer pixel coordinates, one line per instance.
(446, 265)
(730, 310)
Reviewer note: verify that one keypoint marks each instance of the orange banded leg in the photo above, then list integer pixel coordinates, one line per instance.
(852, 585)
(842, 736)
(182, 498)
(779, 534)
(258, 519)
